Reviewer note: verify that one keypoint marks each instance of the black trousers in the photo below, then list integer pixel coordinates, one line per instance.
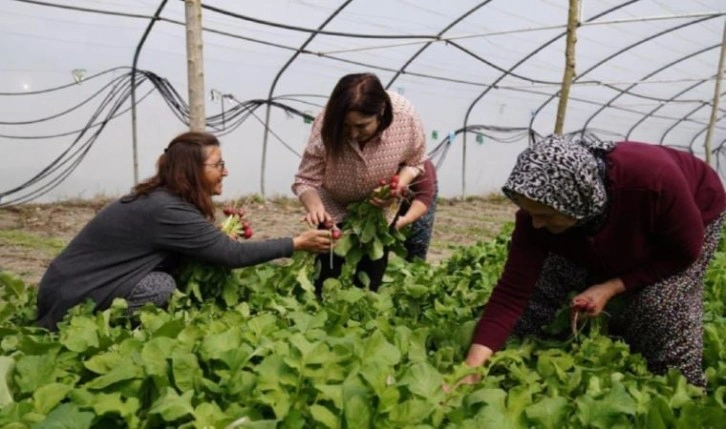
(373, 269)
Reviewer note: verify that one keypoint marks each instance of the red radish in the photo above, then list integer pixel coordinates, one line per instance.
(240, 212)
(246, 225)
(228, 211)
(383, 182)
(335, 233)
(394, 178)
(247, 233)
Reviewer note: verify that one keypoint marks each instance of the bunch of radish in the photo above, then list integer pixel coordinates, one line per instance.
(236, 223)
(386, 188)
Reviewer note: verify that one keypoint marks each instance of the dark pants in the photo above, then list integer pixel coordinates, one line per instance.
(419, 236)
(156, 288)
(373, 269)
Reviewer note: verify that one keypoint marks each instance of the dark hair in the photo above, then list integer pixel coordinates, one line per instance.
(361, 92)
(180, 170)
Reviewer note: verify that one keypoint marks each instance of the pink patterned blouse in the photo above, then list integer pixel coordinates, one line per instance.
(360, 170)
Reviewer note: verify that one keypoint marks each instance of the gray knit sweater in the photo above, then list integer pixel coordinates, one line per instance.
(130, 238)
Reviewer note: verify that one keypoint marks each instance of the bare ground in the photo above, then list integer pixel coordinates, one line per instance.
(32, 234)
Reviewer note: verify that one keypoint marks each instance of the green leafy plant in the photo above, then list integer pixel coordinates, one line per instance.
(267, 353)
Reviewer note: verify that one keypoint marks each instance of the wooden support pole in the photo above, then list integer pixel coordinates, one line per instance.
(569, 75)
(716, 97)
(195, 65)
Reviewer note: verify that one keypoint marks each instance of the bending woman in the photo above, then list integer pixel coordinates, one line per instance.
(602, 219)
(363, 136)
(126, 251)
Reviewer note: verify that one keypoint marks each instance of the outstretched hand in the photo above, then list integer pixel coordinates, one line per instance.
(469, 379)
(318, 241)
(478, 355)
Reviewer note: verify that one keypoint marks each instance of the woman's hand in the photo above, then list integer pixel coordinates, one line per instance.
(316, 213)
(593, 300)
(478, 355)
(319, 241)
(414, 213)
(397, 187)
(405, 177)
(382, 202)
(402, 221)
(319, 217)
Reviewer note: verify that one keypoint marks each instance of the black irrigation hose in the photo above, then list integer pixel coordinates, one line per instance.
(58, 88)
(237, 115)
(516, 134)
(61, 167)
(240, 113)
(68, 133)
(65, 112)
(74, 154)
(49, 177)
(274, 134)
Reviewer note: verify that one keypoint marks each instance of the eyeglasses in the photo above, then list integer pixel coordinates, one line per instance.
(218, 165)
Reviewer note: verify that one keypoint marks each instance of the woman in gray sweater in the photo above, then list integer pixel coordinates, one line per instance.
(122, 252)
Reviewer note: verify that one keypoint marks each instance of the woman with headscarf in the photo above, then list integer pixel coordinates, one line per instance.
(604, 219)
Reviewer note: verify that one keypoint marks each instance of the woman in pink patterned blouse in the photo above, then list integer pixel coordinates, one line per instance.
(363, 136)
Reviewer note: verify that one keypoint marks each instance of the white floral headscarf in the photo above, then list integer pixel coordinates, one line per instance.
(562, 173)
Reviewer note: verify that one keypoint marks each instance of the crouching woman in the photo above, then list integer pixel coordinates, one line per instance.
(127, 249)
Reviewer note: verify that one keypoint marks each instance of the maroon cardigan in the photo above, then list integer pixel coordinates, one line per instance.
(660, 200)
(424, 186)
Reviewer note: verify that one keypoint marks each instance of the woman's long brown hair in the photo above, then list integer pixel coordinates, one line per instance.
(180, 170)
(360, 92)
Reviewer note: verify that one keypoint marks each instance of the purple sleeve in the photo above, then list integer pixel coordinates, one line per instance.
(424, 186)
(514, 288)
